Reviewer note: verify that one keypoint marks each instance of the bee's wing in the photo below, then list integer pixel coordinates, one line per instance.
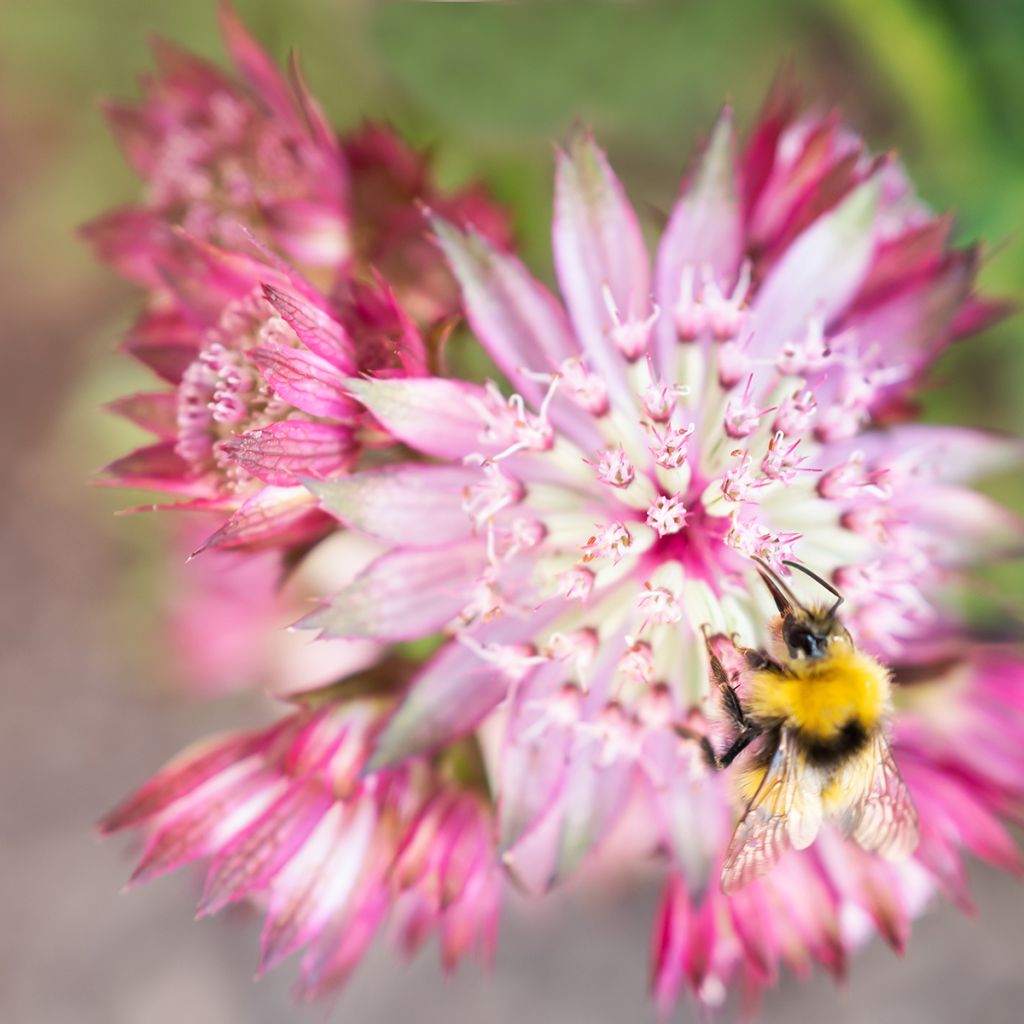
(884, 819)
(785, 811)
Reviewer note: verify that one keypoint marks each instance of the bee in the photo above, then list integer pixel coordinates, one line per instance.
(817, 709)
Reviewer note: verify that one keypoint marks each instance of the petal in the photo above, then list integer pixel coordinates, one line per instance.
(157, 466)
(155, 411)
(516, 317)
(403, 595)
(820, 272)
(251, 60)
(434, 416)
(258, 852)
(284, 515)
(415, 505)
(310, 232)
(283, 453)
(183, 775)
(304, 380)
(704, 230)
(448, 699)
(598, 244)
(317, 330)
(165, 343)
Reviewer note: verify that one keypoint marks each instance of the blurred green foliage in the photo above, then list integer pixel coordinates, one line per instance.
(490, 86)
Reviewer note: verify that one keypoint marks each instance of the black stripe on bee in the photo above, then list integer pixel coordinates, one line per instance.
(851, 738)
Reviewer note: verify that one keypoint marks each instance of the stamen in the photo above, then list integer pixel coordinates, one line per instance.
(637, 664)
(741, 415)
(668, 445)
(576, 583)
(726, 316)
(739, 484)
(659, 399)
(483, 500)
(630, 337)
(756, 541)
(659, 606)
(514, 661)
(796, 412)
(667, 515)
(614, 468)
(690, 314)
(611, 541)
(781, 464)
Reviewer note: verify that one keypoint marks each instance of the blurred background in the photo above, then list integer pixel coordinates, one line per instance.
(89, 704)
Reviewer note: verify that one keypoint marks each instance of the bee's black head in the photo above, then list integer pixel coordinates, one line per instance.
(806, 632)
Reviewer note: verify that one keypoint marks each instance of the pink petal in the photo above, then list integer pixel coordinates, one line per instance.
(446, 700)
(704, 230)
(516, 318)
(285, 452)
(318, 331)
(310, 232)
(155, 411)
(593, 799)
(285, 515)
(433, 415)
(305, 381)
(796, 289)
(598, 244)
(258, 70)
(257, 853)
(414, 505)
(180, 777)
(133, 241)
(404, 594)
(157, 466)
(165, 343)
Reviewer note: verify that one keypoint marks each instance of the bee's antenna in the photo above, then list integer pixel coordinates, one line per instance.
(817, 579)
(781, 593)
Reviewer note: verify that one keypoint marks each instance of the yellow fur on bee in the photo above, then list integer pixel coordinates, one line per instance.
(822, 694)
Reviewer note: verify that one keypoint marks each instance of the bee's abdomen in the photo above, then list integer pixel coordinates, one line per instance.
(823, 752)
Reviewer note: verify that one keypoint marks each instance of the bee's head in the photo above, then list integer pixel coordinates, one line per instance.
(806, 632)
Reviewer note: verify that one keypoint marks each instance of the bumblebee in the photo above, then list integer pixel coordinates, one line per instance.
(815, 710)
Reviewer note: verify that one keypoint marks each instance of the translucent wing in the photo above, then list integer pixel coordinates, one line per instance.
(785, 811)
(884, 819)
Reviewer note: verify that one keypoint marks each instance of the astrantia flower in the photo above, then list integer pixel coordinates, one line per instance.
(240, 174)
(742, 395)
(257, 359)
(739, 397)
(286, 820)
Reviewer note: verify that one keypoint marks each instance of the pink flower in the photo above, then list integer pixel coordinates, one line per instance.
(285, 818)
(256, 354)
(219, 153)
(232, 159)
(257, 360)
(577, 535)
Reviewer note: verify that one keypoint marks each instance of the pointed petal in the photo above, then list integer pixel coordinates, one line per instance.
(284, 453)
(404, 594)
(414, 505)
(597, 245)
(517, 319)
(304, 380)
(318, 331)
(258, 852)
(704, 230)
(433, 415)
(155, 411)
(251, 60)
(157, 466)
(165, 343)
(796, 288)
(446, 700)
(284, 515)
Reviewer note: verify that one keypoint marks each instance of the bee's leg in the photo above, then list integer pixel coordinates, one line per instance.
(745, 738)
(720, 677)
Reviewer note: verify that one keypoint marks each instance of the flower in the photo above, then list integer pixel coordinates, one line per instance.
(257, 359)
(261, 245)
(748, 394)
(286, 820)
(744, 396)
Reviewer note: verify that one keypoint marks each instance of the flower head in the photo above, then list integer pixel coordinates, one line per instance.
(648, 507)
(285, 819)
(574, 540)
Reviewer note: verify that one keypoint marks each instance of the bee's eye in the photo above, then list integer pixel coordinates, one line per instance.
(801, 640)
